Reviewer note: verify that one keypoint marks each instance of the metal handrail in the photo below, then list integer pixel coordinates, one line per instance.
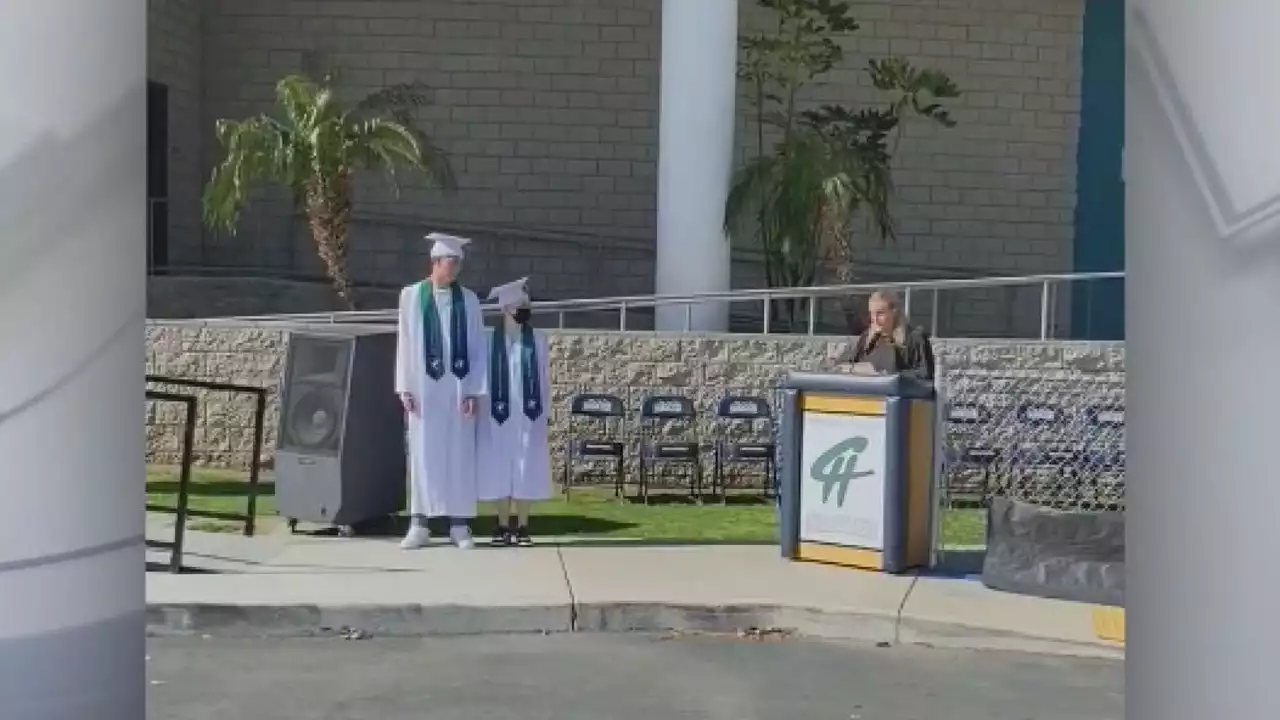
(249, 517)
(624, 303)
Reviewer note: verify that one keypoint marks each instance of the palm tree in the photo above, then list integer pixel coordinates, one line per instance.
(314, 149)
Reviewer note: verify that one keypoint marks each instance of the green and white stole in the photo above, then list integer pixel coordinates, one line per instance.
(500, 377)
(433, 339)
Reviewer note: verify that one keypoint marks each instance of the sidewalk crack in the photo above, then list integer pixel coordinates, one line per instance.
(902, 606)
(568, 584)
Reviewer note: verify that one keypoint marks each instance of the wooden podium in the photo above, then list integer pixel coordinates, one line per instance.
(857, 469)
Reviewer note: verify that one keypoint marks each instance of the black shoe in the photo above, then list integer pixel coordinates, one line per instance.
(501, 537)
(522, 537)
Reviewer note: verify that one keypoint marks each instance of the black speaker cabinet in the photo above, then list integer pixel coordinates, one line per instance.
(340, 456)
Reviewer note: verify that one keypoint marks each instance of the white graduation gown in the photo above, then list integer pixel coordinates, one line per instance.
(441, 441)
(514, 457)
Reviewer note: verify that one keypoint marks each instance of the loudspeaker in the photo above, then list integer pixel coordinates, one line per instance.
(340, 453)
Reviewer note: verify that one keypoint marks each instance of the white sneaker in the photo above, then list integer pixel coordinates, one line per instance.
(461, 538)
(417, 537)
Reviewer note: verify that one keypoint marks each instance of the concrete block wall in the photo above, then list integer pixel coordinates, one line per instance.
(548, 108)
(631, 365)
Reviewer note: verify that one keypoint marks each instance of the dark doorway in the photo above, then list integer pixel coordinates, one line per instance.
(157, 175)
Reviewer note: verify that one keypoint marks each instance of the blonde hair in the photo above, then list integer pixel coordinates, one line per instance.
(900, 321)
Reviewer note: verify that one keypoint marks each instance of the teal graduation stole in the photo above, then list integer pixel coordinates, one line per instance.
(500, 378)
(433, 340)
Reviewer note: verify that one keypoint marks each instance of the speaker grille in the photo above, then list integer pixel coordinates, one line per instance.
(314, 419)
(319, 360)
(315, 395)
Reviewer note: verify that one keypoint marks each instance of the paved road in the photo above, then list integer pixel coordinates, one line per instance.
(619, 677)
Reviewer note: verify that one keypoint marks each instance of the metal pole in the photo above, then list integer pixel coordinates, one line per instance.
(688, 317)
(255, 462)
(151, 228)
(906, 302)
(933, 314)
(1044, 310)
(184, 485)
(622, 317)
(939, 500)
(768, 314)
(561, 319)
(813, 314)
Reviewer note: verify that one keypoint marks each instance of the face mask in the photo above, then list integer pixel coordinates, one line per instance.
(522, 315)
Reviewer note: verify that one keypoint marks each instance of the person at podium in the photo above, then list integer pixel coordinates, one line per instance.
(890, 344)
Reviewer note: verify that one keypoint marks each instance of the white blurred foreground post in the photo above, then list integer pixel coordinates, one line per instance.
(72, 302)
(1202, 172)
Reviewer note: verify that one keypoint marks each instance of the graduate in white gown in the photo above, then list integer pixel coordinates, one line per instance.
(514, 457)
(441, 379)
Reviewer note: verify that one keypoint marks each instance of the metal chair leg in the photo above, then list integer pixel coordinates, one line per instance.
(642, 485)
(717, 474)
(566, 476)
(697, 480)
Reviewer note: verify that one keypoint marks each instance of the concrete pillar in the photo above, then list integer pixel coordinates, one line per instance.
(72, 303)
(1203, 333)
(695, 156)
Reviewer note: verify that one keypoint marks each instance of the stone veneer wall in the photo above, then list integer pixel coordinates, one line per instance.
(628, 364)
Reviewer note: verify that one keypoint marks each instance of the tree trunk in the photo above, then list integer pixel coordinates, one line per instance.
(329, 216)
(837, 257)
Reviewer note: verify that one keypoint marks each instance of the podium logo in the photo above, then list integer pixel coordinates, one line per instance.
(837, 467)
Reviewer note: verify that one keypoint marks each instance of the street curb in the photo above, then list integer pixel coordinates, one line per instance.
(932, 633)
(291, 621)
(717, 619)
(167, 619)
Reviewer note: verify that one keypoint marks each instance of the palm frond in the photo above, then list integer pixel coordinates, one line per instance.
(386, 145)
(400, 103)
(296, 96)
(256, 150)
(395, 101)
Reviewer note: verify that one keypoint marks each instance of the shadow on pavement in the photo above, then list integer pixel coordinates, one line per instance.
(960, 564)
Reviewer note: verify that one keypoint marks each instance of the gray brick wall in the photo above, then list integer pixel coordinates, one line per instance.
(996, 194)
(548, 109)
(174, 54)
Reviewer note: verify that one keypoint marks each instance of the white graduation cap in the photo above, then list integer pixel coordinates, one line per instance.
(511, 294)
(444, 246)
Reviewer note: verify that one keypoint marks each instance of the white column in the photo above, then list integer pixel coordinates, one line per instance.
(1202, 175)
(72, 303)
(695, 156)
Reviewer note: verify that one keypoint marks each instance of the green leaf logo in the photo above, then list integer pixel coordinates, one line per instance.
(837, 467)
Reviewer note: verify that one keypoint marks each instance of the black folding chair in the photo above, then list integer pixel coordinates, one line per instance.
(669, 443)
(1104, 455)
(968, 450)
(744, 439)
(596, 434)
(1048, 461)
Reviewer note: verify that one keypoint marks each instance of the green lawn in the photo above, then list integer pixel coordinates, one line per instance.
(586, 513)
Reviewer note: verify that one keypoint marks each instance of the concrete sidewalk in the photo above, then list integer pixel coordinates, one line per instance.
(300, 585)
